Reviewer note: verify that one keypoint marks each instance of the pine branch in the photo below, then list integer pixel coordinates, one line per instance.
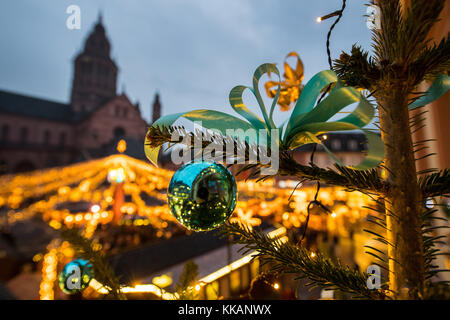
(289, 258)
(242, 151)
(409, 29)
(364, 181)
(431, 242)
(188, 276)
(433, 61)
(102, 270)
(356, 69)
(435, 184)
(353, 180)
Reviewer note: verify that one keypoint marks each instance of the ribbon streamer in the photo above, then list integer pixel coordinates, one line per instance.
(439, 86)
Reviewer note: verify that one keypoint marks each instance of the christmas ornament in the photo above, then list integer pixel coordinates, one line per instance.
(291, 86)
(202, 195)
(75, 276)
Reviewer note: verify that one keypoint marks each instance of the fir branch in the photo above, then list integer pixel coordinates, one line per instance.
(433, 61)
(242, 151)
(431, 242)
(435, 184)
(408, 31)
(289, 258)
(356, 69)
(353, 180)
(102, 270)
(360, 180)
(188, 276)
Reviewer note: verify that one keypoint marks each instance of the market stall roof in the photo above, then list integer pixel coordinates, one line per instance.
(146, 262)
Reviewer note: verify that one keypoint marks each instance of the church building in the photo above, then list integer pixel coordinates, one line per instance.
(37, 133)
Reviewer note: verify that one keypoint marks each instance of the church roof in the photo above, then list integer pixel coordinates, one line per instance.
(19, 104)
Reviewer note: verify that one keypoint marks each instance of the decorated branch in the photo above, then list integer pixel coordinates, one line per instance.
(307, 121)
(403, 58)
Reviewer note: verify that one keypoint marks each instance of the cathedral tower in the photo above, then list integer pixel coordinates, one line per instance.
(95, 73)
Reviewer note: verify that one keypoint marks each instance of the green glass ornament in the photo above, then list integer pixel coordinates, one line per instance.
(75, 276)
(202, 195)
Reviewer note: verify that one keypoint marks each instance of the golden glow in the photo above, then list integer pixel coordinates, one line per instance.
(162, 281)
(95, 208)
(278, 233)
(122, 146)
(87, 184)
(160, 292)
(276, 286)
(140, 288)
(318, 19)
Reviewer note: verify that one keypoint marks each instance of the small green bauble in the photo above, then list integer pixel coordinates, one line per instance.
(202, 195)
(75, 276)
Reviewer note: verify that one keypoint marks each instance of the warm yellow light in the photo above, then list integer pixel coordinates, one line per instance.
(162, 281)
(333, 215)
(95, 208)
(97, 286)
(276, 286)
(278, 233)
(324, 137)
(197, 287)
(313, 254)
(122, 146)
(318, 19)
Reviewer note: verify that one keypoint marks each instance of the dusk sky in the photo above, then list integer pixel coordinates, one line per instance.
(193, 52)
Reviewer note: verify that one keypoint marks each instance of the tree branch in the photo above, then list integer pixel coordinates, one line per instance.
(289, 258)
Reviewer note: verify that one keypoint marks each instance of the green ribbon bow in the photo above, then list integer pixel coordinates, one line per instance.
(439, 86)
(307, 120)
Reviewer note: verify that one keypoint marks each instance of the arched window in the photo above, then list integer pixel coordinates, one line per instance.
(336, 144)
(5, 132)
(23, 134)
(352, 145)
(47, 136)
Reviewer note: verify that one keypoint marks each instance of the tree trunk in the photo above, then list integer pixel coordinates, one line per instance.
(403, 201)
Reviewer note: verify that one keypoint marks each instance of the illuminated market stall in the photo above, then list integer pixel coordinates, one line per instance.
(119, 203)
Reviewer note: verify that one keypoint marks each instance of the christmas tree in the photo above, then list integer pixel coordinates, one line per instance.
(403, 57)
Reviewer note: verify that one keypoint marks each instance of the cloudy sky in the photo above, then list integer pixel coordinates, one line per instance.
(193, 52)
